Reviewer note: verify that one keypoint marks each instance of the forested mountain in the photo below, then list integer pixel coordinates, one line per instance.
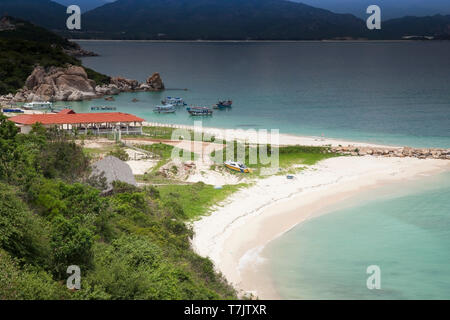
(45, 13)
(24, 46)
(218, 20)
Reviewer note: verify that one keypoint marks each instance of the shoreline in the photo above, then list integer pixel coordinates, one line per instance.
(285, 138)
(253, 41)
(235, 233)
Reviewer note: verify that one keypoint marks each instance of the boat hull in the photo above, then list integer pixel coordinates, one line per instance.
(246, 170)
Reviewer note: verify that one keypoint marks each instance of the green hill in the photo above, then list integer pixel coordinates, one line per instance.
(24, 45)
(217, 20)
(45, 13)
(131, 243)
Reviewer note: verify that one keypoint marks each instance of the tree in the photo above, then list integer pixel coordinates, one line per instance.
(8, 132)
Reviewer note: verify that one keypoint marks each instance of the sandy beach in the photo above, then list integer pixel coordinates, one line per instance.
(237, 230)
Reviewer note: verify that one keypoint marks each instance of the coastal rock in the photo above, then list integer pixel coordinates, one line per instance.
(71, 83)
(125, 84)
(155, 82)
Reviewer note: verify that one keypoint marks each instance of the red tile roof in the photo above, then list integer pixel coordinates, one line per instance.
(48, 119)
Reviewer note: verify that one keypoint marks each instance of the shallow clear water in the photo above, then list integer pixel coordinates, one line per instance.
(403, 228)
(390, 93)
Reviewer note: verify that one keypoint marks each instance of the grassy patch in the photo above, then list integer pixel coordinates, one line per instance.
(166, 134)
(196, 199)
(288, 157)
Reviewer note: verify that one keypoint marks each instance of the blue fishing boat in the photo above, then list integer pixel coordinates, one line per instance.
(223, 104)
(177, 102)
(199, 111)
(13, 111)
(164, 109)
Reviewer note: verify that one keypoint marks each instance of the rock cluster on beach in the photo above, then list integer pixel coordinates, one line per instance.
(72, 84)
(421, 153)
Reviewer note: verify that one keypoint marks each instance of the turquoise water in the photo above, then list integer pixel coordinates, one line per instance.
(404, 229)
(390, 93)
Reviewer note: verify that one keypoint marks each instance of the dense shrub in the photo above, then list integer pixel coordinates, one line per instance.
(22, 233)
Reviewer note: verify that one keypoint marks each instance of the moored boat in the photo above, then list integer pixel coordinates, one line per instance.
(177, 102)
(35, 105)
(236, 166)
(7, 110)
(199, 111)
(222, 104)
(103, 108)
(164, 109)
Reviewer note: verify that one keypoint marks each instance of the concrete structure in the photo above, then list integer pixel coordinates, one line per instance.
(113, 169)
(95, 123)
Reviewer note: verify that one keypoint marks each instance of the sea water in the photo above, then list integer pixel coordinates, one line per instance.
(404, 229)
(395, 93)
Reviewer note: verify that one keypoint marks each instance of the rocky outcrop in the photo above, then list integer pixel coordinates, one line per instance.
(177, 169)
(72, 84)
(421, 153)
(57, 84)
(155, 82)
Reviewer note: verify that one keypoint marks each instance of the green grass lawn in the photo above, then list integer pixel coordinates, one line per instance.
(288, 157)
(166, 133)
(196, 199)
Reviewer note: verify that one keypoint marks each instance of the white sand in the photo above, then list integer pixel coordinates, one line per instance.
(234, 234)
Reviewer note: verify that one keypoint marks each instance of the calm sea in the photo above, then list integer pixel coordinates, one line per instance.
(391, 93)
(404, 229)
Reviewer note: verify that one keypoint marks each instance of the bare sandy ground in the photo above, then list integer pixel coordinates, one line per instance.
(234, 234)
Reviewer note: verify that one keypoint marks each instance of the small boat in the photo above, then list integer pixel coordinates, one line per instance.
(290, 177)
(13, 111)
(237, 166)
(177, 102)
(223, 104)
(103, 108)
(199, 111)
(38, 105)
(165, 109)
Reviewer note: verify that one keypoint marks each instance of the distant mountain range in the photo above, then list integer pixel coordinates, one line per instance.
(390, 9)
(218, 20)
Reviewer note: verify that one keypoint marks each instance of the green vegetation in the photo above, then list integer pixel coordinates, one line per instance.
(28, 46)
(288, 157)
(159, 132)
(195, 199)
(131, 244)
(119, 153)
(165, 133)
